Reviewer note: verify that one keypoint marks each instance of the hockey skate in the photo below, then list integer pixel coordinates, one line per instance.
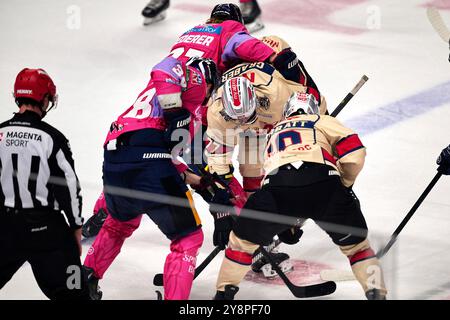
(228, 294)
(92, 227)
(261, 264)
(155, 11)
(375, 294)
(92, 283)
(252, 15)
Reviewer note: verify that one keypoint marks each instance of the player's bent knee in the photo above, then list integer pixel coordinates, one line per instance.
(123, 229)
(191, 242)
(237, 244)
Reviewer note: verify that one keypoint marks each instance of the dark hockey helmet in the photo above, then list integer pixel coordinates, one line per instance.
(34, 84)
(208, 68)
(227, 11)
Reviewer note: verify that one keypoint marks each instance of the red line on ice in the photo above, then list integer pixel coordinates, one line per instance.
(438, 4)
(301, 13)
(304, 273)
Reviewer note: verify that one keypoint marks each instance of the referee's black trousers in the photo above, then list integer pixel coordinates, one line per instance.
(44, 240)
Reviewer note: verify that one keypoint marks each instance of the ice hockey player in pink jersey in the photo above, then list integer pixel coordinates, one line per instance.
(223, 38)
(137, 158)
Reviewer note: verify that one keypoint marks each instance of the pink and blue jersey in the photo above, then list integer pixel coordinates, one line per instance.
(171, 78)
(227, 43)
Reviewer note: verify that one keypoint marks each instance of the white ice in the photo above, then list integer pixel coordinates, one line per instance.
(100, 60)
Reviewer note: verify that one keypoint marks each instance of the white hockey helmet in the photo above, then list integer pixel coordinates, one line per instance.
(239, 100)
(301, 102)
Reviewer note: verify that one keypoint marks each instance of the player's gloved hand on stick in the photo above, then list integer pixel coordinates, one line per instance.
(291, 235)
(203, 187)
(443, 161)
(223, 219)
(209, 183)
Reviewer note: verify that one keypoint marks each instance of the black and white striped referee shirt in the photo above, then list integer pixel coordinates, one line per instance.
(36, 168)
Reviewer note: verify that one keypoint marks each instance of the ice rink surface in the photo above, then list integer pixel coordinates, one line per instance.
(99, 55)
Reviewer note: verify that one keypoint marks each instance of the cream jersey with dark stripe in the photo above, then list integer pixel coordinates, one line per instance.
(272, 91)
(319, 139)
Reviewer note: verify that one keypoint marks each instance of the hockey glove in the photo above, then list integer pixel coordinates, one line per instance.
(443, 161)
(204, 188)
(291, 235)
(223, 219)
(92, 227)
(286, 62)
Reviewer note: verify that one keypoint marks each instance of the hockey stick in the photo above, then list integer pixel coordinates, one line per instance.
(270, 247)
(419, 201)
(349, 96)
(438, 24)
(337, 275)
(314, 290)
(158, 278)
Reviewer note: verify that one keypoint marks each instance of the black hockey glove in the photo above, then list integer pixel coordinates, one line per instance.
(93, 225)
(286, 62)
(206, 188)
(223, 219)
(291, 235)
(443, 161)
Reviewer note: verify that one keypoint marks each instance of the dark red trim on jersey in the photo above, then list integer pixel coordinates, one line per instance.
(238, 257)
(328, 157)
(315, 93)
(348, 145)
(361, 256)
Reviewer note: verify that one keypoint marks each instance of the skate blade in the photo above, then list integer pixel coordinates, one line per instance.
(159, 17)
(255, 26)
(159, 295)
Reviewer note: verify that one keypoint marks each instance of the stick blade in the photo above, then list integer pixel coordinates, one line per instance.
(337, 275)
(438, 24)
(315, 290)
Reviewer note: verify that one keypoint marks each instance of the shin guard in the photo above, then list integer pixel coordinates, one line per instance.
(179, 268)
(365, 266)
(237, 262)
(108, 244)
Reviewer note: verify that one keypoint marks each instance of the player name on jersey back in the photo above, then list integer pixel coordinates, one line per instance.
(197, 39)
(241, 69)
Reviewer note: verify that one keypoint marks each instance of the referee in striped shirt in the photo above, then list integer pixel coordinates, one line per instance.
(38, 183)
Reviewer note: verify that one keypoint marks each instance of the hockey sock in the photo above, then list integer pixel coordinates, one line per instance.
(179, 268)
(365, 266)
(108, 244)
